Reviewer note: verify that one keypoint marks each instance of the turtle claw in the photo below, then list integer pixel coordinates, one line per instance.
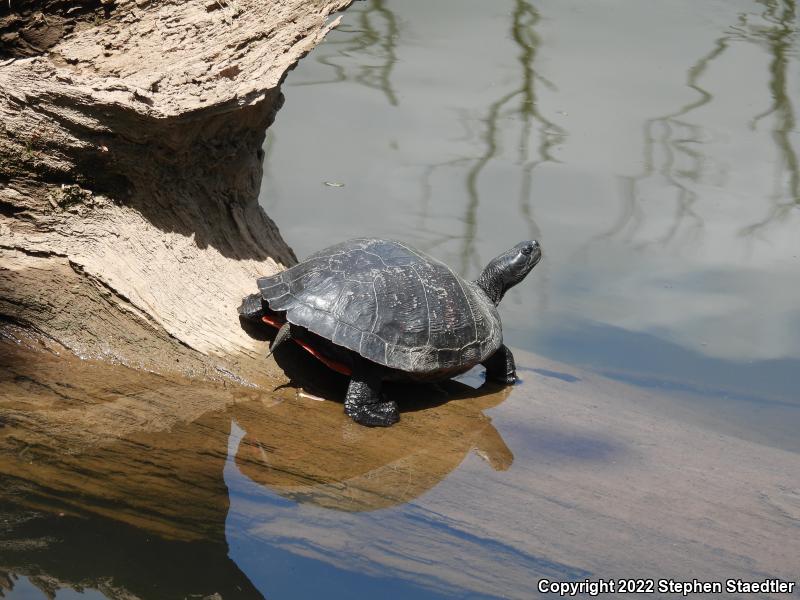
(508, 379)
(511, 379)
(379, 414)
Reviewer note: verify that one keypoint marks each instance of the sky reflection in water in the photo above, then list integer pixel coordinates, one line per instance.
(269, 540)
(652, 149)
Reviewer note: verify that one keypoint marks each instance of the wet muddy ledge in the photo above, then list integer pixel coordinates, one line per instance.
(130, 165)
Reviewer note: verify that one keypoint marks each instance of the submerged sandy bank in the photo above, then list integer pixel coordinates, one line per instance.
(566, 476)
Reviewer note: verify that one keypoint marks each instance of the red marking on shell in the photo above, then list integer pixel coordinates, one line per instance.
(274, 321)
(331, 364)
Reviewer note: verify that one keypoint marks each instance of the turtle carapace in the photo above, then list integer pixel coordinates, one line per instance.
(379, 310)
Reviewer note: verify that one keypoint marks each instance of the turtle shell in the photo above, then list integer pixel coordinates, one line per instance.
(391, 304)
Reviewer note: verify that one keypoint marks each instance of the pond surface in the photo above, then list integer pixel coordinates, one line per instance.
(121, 484)
(652, 149)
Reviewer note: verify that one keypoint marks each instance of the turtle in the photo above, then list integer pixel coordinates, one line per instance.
(379, 310)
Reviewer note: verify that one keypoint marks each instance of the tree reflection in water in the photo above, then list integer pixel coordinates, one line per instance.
(374, 35)
(521, 103)
(671, 141)
(779, 40)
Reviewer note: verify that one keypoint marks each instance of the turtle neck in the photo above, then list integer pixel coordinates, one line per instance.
(491, 283)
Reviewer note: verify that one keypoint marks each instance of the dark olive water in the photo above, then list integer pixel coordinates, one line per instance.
(653, 149)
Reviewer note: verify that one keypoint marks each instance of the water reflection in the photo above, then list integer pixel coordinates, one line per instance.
(670, 150)
(524, 19)
(352, 468)
(102, 557)
(374, 34)
(677, 161)
(519, 104)
(779, 40)
(673, 146)
(106, 472)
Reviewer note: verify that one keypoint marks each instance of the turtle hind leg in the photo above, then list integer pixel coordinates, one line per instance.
(252, 307)
(363, 402)
(500, 367)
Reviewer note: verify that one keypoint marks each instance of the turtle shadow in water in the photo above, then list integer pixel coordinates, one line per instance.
(311, 375)
(310, 451)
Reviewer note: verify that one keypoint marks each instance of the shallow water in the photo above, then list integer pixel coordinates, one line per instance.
(123, 484)
(651, 149)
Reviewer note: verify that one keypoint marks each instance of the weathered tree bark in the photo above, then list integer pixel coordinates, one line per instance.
(130, 165)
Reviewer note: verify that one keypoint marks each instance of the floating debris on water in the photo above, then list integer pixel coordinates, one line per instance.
(336, 184)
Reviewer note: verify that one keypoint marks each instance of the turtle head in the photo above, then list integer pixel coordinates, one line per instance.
(508, 269)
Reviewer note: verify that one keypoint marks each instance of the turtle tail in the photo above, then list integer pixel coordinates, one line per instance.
(284, 333)
(252, 307)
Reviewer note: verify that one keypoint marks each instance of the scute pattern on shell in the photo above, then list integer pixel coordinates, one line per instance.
(393, 305)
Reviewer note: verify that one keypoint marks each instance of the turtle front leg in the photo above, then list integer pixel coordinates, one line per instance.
(500, 366)
(363, 402)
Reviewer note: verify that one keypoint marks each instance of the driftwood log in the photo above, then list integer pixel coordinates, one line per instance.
(130, 165)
